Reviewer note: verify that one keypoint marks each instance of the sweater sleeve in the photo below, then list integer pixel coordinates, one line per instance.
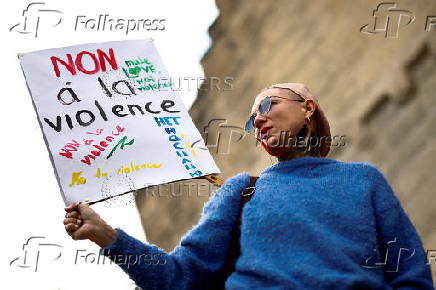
(401, 250)
(199, 257)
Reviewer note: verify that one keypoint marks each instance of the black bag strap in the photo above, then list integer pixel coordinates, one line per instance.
(235, 249)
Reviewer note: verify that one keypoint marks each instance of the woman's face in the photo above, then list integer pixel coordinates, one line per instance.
(285, 117)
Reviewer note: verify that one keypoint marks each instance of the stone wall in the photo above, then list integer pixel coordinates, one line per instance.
(378, 91)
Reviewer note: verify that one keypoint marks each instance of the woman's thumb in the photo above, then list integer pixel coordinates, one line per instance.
(83, 208)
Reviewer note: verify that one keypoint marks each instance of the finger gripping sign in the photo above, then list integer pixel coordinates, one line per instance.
(107, 111)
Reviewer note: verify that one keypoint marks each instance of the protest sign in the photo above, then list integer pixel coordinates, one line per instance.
(111, 121)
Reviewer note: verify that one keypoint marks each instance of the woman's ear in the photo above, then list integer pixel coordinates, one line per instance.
(310, 108)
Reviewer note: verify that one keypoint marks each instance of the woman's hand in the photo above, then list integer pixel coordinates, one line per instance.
(82, 222)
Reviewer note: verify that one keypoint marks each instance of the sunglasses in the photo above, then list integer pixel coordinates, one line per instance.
(263, 109)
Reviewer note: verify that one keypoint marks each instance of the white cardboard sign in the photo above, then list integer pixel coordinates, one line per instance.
(111, 121)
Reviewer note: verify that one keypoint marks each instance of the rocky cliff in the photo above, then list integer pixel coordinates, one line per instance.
(376, 84)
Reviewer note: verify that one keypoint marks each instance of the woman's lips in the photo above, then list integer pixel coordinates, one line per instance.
(264, 133)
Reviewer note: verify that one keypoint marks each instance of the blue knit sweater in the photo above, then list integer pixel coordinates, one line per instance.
(313, 223)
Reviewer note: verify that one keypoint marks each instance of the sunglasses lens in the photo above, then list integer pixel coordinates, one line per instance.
(265, 105)
(249, 126)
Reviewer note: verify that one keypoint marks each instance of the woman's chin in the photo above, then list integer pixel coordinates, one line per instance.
(272, 141)
(275, 149)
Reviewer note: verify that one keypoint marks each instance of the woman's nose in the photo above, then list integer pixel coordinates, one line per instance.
(259, 120)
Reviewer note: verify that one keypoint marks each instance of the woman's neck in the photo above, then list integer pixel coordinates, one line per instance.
(297, 152)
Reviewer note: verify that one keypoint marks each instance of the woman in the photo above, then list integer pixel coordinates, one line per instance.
(313, 222)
